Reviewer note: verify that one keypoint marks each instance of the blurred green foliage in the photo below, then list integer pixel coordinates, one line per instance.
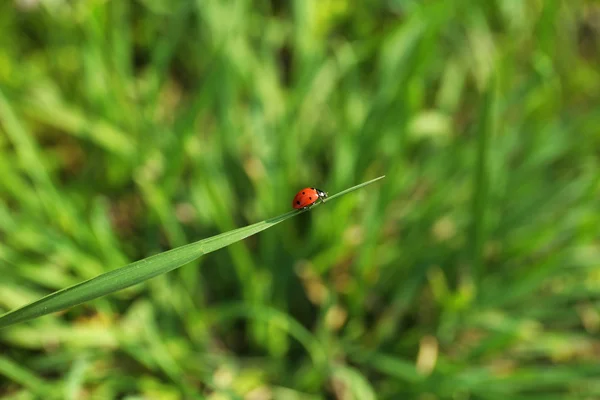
(471, 272)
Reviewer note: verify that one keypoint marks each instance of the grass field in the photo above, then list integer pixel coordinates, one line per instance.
(472, 271)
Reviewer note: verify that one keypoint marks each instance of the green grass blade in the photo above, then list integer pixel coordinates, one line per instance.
(281, 320)
(353, 188)
(481, 183)
(16, 372)
(142, 270)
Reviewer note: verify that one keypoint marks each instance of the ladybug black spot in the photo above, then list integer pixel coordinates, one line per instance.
(303, 193)
(310, 198)
(298, 202)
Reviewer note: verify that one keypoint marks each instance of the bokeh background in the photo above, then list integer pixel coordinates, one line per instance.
(471, 272)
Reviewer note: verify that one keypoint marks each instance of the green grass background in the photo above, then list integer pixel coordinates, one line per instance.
(471, 272)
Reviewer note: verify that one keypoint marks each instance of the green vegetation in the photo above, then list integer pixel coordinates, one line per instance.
(142, 270)
(128, 128)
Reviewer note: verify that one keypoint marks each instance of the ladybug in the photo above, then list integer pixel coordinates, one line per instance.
(307, 197)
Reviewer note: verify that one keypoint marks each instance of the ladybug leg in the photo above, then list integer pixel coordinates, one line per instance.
(308, 207)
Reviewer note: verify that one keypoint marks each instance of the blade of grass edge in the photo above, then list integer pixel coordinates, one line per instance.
(353, 188)
(142, 270)
(481, 182)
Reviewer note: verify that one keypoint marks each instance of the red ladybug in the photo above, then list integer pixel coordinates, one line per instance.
(307, 197)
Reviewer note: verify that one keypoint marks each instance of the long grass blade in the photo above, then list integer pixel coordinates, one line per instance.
(142, 270)
(481, 183)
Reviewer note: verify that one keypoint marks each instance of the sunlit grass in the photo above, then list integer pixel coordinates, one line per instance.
(131, 128)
